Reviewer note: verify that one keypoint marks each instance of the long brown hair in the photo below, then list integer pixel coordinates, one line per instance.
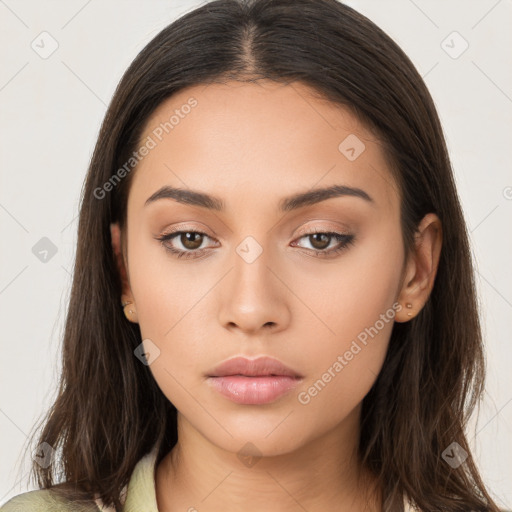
(109, 411)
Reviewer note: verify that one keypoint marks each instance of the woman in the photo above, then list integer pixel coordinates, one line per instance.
(273, 304)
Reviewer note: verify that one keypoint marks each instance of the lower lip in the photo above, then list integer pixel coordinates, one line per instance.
(253, 390)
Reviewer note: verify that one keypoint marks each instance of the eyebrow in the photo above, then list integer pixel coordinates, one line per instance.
(299, 200)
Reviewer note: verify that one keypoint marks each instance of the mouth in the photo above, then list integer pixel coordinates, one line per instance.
(253, 381)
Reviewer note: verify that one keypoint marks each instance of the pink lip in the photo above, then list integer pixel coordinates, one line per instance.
(253, 381)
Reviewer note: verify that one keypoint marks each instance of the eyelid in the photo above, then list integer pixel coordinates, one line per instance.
(302, 230)
(305, 230)
(187, 227)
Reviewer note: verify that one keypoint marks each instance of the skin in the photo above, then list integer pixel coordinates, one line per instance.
(252, 145)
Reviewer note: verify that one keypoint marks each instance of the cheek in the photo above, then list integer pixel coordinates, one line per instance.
(354, 301)
(166, 313)
(164, 292)
(349, 294)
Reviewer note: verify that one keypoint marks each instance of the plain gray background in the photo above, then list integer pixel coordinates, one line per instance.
(51, 110)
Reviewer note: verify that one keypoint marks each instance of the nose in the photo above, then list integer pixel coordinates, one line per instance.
(254, 297)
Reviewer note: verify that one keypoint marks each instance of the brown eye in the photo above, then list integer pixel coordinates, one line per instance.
(320, 240)
(184, 244)
(191, 239)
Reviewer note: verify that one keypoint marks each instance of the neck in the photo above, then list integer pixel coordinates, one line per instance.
(324, 474)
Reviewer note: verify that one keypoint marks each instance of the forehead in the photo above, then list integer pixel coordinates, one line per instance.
(264, 138)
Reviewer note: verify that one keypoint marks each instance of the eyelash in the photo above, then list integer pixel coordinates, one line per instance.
(345, 240)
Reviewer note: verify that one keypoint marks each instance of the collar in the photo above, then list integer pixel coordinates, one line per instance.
(140, 493)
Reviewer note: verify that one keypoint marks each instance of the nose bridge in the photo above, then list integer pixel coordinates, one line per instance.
(254, 296)
(251, 262)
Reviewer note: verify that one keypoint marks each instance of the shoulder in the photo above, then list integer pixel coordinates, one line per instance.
(138, 494)
(43, 500)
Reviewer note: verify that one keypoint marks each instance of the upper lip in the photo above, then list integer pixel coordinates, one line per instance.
(260, 366)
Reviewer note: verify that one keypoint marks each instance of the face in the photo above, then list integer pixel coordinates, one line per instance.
(260, 269)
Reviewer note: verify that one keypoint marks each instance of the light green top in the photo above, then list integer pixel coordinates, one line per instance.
(138, 496)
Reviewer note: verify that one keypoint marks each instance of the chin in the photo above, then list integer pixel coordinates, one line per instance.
(259, 439)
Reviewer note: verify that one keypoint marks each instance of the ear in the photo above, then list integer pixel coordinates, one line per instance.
(117, 249)
(421, 268)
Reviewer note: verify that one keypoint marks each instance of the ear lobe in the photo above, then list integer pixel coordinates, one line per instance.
(115, 233)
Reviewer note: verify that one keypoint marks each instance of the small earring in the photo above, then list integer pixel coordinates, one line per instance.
(409, 306)
(131, 311)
